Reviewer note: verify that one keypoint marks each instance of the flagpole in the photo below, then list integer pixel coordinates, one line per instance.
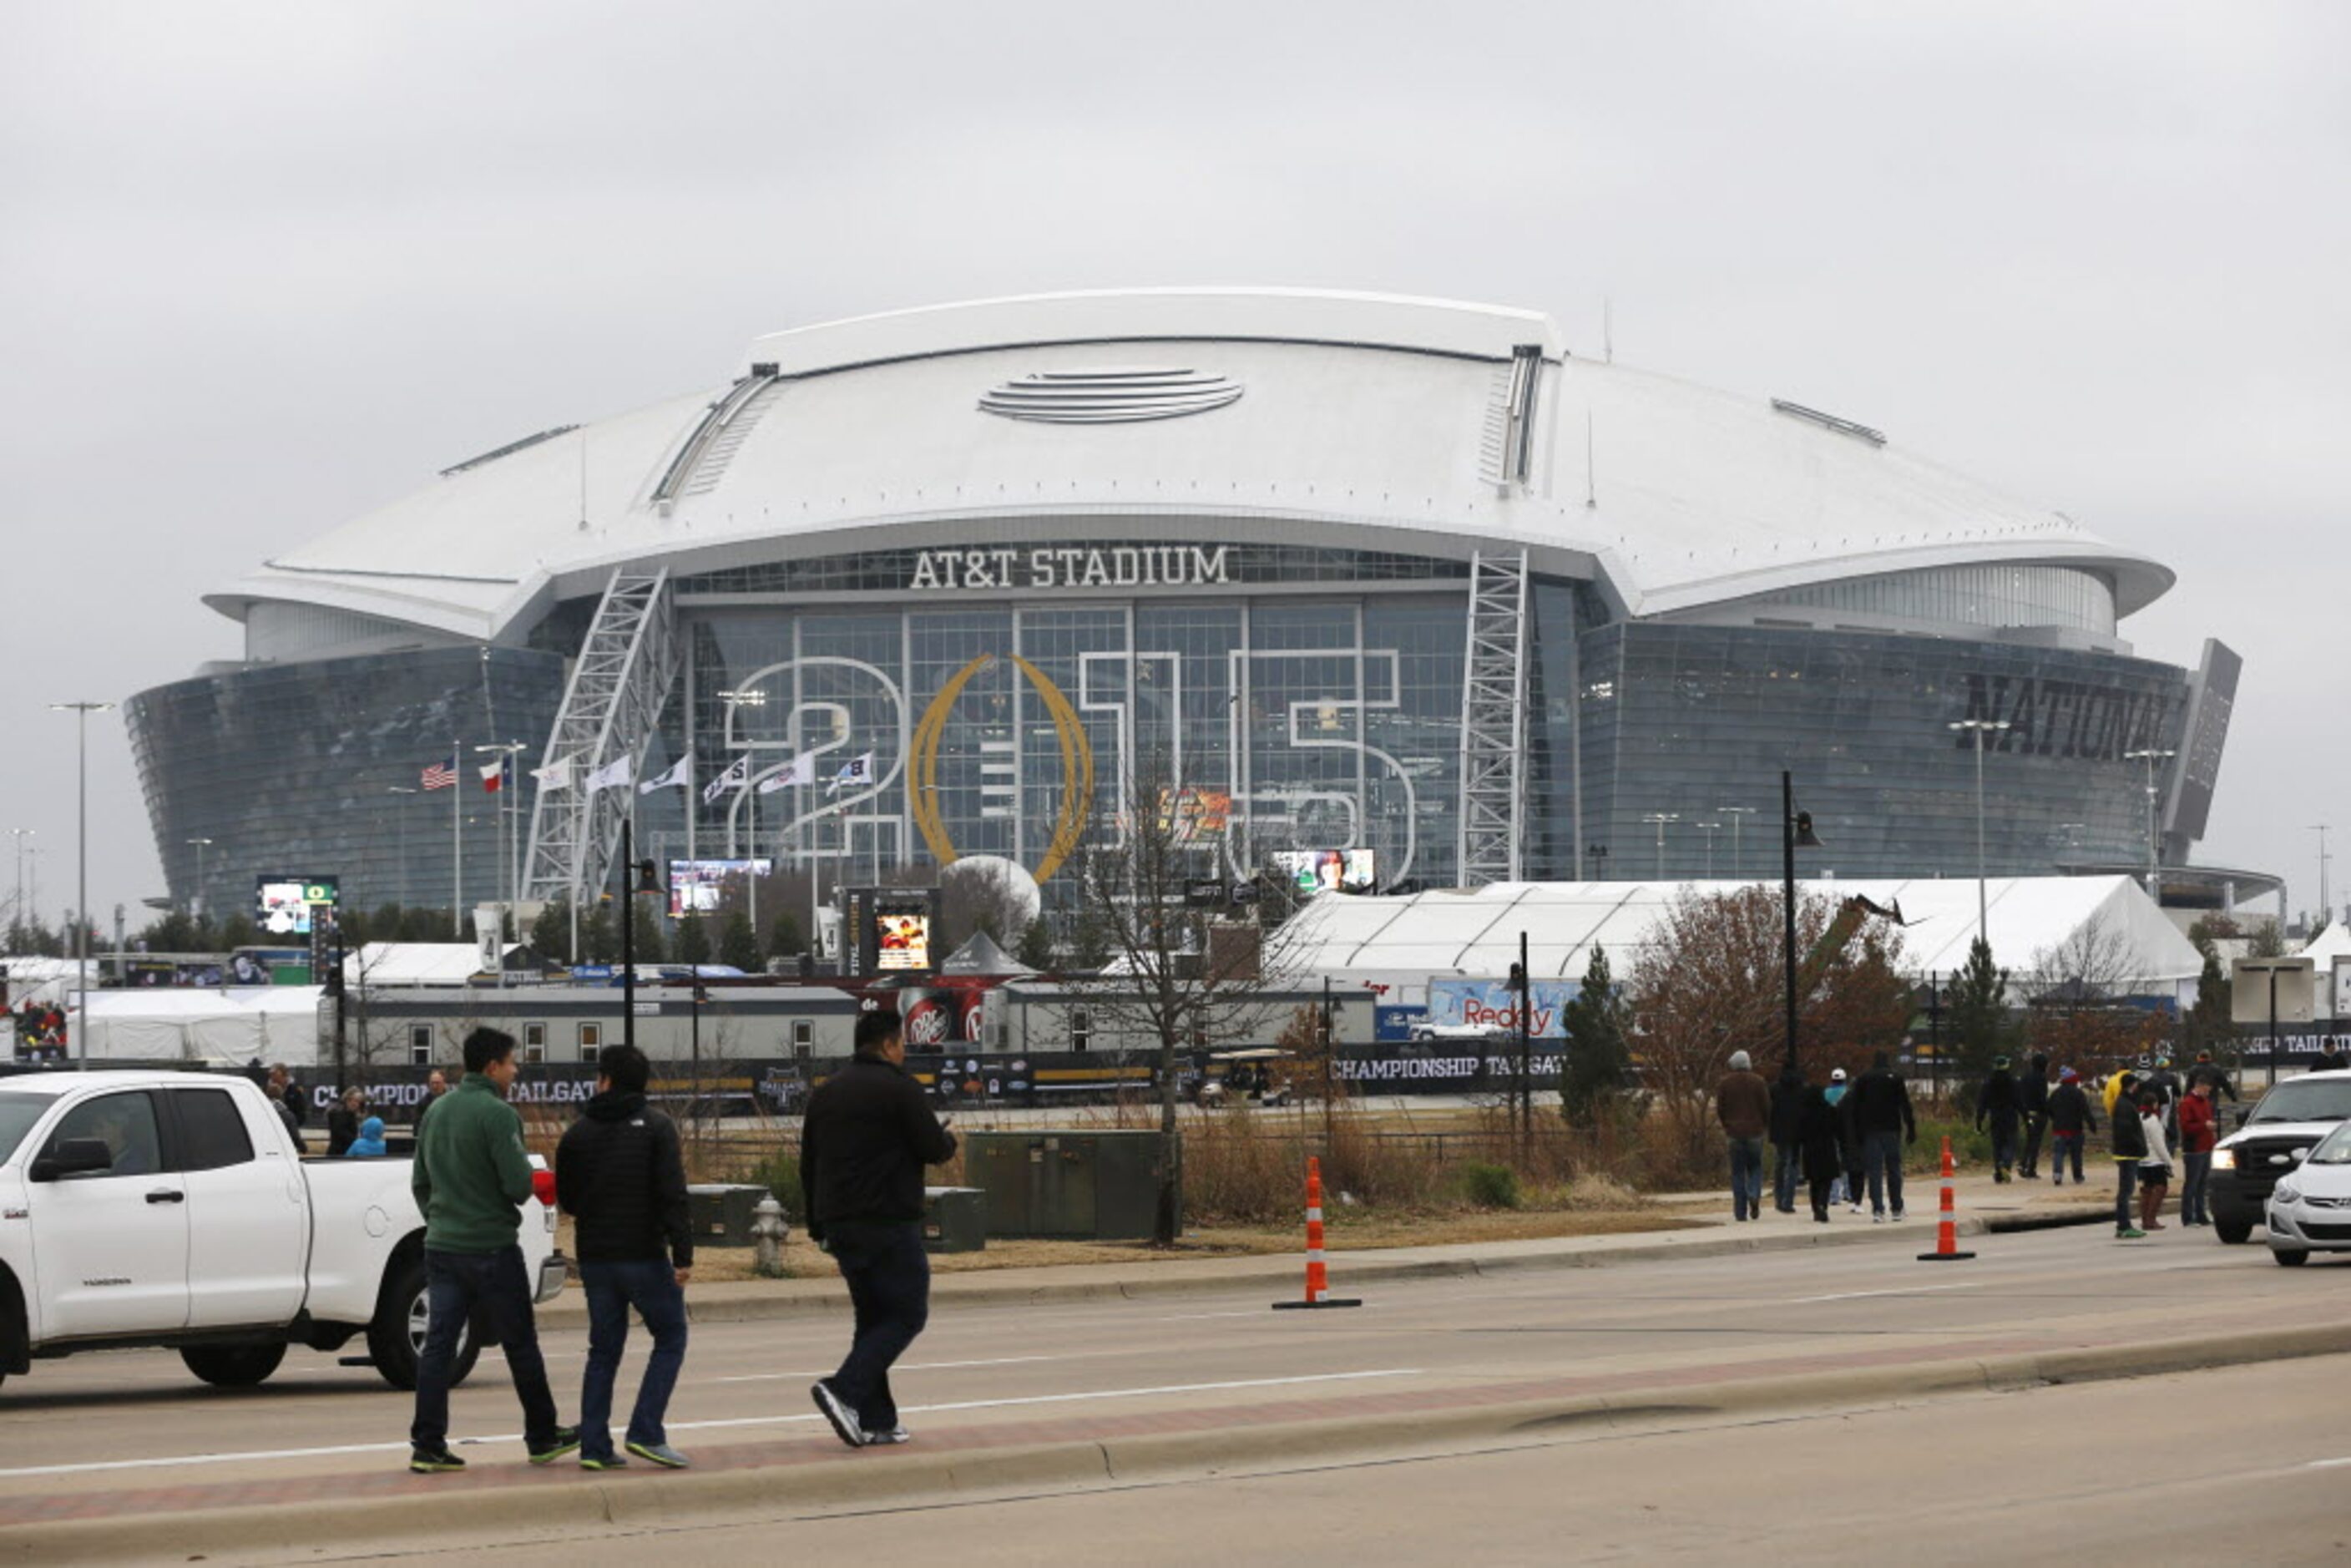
(751, 794)
(456, 844)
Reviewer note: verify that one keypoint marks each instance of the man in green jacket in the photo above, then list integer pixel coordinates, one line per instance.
(471, 1176)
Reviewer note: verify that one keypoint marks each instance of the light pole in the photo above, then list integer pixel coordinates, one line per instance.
(1980, 727)
(635, 879)
(196, 904)
(2151, 755)
(1710, 830)
(1735, 814)
(1795, 832)
(2325, 893)
(20, 915)
(1659, 820)
(81, 712)
(735, 699)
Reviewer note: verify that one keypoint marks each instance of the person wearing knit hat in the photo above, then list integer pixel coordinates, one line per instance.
(1743, 1103)
(2070, 1122)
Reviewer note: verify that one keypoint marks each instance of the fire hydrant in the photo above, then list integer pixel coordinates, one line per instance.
(768, 1233)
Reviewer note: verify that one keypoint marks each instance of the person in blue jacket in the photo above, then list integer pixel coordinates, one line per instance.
(369, 1145)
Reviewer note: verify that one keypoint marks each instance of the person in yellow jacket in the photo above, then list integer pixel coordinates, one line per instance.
(2118, 1083)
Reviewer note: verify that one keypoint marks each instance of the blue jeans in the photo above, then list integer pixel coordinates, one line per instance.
(889, 1279)
(650, 1285)
(2062, 1146)
(1746, 1177)
(492, 1291)
(2192, 1188)
(1882, 1152)
(1787, 1171)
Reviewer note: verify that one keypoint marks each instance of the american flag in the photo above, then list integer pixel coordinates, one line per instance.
(440, 775)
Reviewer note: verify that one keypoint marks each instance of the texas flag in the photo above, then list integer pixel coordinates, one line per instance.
(493, 775)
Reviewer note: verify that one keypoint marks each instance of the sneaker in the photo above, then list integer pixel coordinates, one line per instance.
(1877, 1219)
(1857, 1208)
(1897, 1217)
(884, 1439)
(838, 1414)
(566, 1441)
(434, 1462)
(2128, 1235)
(602, 1463)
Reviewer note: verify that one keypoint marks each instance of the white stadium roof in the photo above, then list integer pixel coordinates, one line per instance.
(1372, 418)
(1476, 931)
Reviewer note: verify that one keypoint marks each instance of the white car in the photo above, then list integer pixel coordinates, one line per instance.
(2310, 1206)
(175, 1209)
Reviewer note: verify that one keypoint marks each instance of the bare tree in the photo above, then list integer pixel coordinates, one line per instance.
(1185, 973)
(2079, 990)
(984, 893)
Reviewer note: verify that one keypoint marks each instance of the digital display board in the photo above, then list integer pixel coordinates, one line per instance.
(702, 887)
(1310, 871)
(901, 939)
(282, 904)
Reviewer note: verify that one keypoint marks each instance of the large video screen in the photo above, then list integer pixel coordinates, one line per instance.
(901, 939)
(282, 904)
(702, 887)
(1310, 871)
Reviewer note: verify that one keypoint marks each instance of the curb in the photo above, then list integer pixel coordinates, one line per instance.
(546, 1512)
(1278, 1271)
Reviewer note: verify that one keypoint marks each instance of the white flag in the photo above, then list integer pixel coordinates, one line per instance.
(613, 775)
(556, 774)
(737, 774)
(679, 777)
(801, 770)
(852, 774)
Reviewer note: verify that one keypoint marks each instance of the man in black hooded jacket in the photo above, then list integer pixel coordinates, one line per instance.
(2033, 1093)
(622, 1178)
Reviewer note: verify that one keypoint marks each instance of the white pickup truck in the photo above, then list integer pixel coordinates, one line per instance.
(174, 1209)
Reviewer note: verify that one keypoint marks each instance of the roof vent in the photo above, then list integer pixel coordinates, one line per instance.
(1108, 397)
(1831, 422)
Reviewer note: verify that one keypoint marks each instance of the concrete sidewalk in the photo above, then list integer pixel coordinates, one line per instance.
(1981, 1205)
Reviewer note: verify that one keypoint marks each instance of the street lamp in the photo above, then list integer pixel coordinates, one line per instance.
(1598, 854)
(2325, 893)
(20, 835)
(1735, 814)
(735, 699)
(81, 712)
(1980, 727)
(1659, 820)
(196, 904)
(2151, 755)
(1795, 833)
(1710, 830)
(509, 874)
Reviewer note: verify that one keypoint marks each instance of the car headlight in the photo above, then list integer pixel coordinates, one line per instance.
(2286, 1192)
(2224, 1159)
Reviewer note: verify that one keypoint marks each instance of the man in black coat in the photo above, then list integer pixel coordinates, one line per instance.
(2033, 1093)
(621, 1176)
(1999, 1101)
(866, 1136)
(1882, 1116)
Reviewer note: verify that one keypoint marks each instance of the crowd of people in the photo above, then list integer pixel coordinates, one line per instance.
(40, 1031)
(351, 1132)
(1842, 1140)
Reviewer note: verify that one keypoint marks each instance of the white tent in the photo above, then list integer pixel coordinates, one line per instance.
(236, 1024)
(1475, 932)
(378, 964)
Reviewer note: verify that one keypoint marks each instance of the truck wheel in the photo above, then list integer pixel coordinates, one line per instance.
(232, 1365)
(396, 1337)
(2235, 1232)
(2290, 1257)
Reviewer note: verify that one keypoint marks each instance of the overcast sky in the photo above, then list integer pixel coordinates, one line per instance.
(263, 268)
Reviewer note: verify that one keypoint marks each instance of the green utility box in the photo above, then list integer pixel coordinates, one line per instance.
(721, 1212)
(1076, 1185)
(955, 1219)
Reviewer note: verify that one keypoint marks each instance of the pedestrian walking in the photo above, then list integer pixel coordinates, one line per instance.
(1839, 1095)
(1742, 1104)
(2209, 1072)
(1881, 1114)
(2127, 1135)
(621, 1174)
(1821, 1148)
(1787, 1095)
(1999, 1103)
(343, 1122)
(2197, 1134)
(2032, 1095)
(471, 1176)
(865, 1140)
(2154, 1167)
(2070, 1124)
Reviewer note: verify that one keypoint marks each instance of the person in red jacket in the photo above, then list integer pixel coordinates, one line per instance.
(2197, 1136)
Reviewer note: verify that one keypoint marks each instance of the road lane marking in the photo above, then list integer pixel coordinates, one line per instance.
(170, 1460)
(925, 1367)
(1905, 1291)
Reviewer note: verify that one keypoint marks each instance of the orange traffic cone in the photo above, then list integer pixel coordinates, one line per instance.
(1318, 1282)
(1947, 1229)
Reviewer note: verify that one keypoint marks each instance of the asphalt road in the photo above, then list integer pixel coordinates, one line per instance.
(116, 1431)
